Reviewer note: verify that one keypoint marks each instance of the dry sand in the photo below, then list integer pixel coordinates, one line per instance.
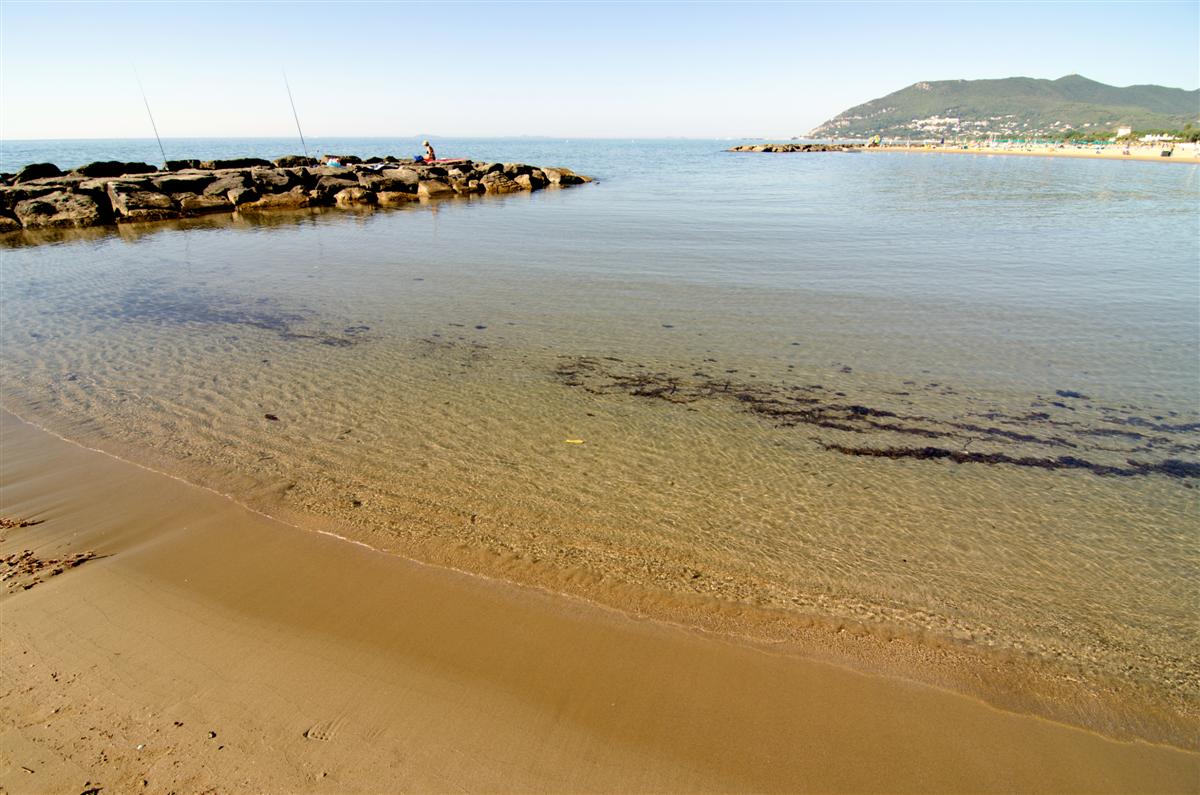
(209, 648)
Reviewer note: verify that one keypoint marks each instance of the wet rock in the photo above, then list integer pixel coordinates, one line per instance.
(60, 209)
(466, 186)
(294, 199)
(563, 176)
(193, 204)
(391, 197)
(354, 195)
(239, 196)
(8, 224)
(135, 203)
(182, 165)
(531, 181)
(499, 183)
(37, 171)
(434, 189)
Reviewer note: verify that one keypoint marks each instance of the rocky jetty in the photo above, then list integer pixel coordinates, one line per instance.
(796, 148)
(42, 196)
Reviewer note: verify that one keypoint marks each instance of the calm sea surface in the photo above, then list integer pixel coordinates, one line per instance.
(955, 395)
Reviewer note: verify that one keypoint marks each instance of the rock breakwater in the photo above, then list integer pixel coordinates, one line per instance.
(796, 148)
(42, 196)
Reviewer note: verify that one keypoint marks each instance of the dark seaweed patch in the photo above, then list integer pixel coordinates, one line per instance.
(1172, 467)
(190, 307)
(792, 405)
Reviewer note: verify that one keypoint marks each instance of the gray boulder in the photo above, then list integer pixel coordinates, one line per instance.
(60, 208)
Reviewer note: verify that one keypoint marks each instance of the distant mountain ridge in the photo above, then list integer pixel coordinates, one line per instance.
(1014, 106)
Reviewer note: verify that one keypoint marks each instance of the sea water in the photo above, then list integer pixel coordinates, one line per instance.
(949, 394)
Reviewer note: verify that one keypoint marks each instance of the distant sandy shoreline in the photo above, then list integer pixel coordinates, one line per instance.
(1181, 154)
(211, 646)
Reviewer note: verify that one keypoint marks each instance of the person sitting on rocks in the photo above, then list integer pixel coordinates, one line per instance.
(429, 155)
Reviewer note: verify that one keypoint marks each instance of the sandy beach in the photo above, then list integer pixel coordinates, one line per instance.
(207, 647)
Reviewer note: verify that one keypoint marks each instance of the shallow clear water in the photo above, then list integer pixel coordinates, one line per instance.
(730, 336)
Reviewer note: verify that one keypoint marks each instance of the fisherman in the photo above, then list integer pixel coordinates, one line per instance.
(429, 155)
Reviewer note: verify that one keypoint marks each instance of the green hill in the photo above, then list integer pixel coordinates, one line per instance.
(1014, 106)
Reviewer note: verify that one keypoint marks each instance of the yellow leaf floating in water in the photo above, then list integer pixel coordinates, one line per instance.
(573, 441)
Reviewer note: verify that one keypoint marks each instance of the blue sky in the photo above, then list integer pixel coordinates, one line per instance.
(554, 69)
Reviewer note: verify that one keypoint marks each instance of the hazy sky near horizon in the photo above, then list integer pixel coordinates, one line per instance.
(67, 70)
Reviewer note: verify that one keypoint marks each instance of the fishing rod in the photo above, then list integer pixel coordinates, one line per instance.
(153, 126)
(295, 115)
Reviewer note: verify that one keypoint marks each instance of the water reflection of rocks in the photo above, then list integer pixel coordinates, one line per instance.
(1102, 440)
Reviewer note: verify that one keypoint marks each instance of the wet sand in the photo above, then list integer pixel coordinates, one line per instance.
(209, 646)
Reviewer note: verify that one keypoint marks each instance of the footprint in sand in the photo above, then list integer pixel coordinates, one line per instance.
(324, 730)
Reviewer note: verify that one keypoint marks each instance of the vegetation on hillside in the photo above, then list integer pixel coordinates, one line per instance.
(1016, 107)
